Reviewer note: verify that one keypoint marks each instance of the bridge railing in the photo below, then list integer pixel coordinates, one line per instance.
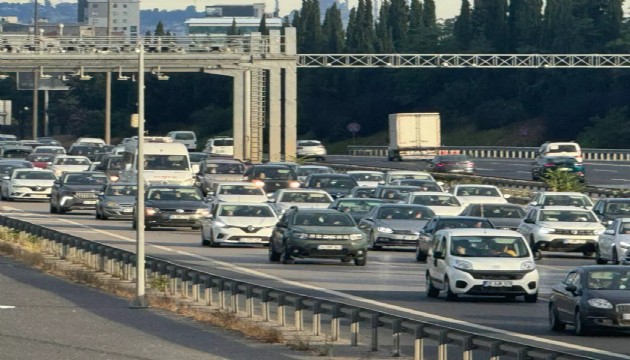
(191, 44)
(437, 339)
(498, 152)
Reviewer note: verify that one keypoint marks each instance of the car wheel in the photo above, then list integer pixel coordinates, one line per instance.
(345, 260)
(588, 253)
(360, 261)
(615, 257)
(104, 217)
(432, 291)
(420, 255)
(532, 245)
(579, 325)
(148, 227)
(531, 298)
(286, 258)
(61, 210)
(554, 320)
(204, 241)
(213, 243)
(274, 256)
(598, 258)
(196, 227)
(450, 295)
(97, 215)
(53, 210)
(373, 245)
(134, 224)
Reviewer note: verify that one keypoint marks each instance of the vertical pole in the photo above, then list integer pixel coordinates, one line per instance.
(290, 97)
(35, 103)
(275, 114)
(108, 107)
(247, 114)
(140, 301)
(46, 120)
(237, 116)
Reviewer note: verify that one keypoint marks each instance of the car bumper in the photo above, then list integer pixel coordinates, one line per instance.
(607, 319)
(567, 243)
(28, 194)
(239, 236)
(323, 250)
(384, 239)
(77, 204)
(494, 284)
(122, 213)
(167, 220)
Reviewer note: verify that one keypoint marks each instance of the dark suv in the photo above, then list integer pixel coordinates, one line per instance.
(317, 233)
(609, 209)
(272, 177)
(76, 191)
(437, 223)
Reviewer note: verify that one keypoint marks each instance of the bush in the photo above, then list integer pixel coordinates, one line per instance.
(558, 180)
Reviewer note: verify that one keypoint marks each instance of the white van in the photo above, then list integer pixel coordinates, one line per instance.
(569, 148)
(486, 262)
(188, 138)
(221, 146)
(166, 162)
(91, 141)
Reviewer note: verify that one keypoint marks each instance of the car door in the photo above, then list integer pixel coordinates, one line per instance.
(279, 231)
(527, 225)
(367, 223)
(606, 240)
(436, 263)
(563, 298)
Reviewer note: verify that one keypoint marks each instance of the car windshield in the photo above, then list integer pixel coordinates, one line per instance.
(221, 168)
(501, 211)
(176, 194)
(477, 191)
(85, 179)
(306, 171)
(35, 175)
(328, 219)
(368, 177)
(435, 200)
(122, 190)
(40, 158)
(609, 279)
(333, 183)
(166, 162)
(197, 157)
(16, 153)
(6, 169)
(488, 246)
(39, 150)
(245, 211)
(223, 142)
(355, 206)
(618, 208)
(115, 163)
(567, 200)
(240, 190)
(422, 185)
(305, 197)
(463, 223)
(185, 136)
(410, 176)
(363, 192)
(71, 161)
(562, 148)
(453, 158)
(274, 173)
(567, 216)
(404, 213)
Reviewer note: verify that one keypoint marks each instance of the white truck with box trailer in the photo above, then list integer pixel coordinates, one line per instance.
(414, 136)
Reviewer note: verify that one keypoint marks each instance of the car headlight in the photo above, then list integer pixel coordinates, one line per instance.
(546, 230)
(203, 212)
(151, 211)
(384, 230)
(528, 265)
(219, 224)
(114, 178)
(294, 184)
(356, 237)
(599, 231)
(624, 244)
(600, 303)
(462, 265)
(111, 204)
(299, 235)
(259, 183)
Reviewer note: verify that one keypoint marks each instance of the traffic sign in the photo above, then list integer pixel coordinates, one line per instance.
(354, 127)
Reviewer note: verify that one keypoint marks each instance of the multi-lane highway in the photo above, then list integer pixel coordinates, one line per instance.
(392, 281)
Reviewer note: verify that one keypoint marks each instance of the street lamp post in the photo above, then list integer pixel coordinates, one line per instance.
(140, 301)
(61, 30)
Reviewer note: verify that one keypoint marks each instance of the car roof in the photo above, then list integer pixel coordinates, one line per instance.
(433, 193)
(364, 172)
(248, 183)
(477, 185)
(561, 193)
(314, 167)
(31, 169)
(317, 211)
(397, 172)
(171, 187)
(397, 187)
(396, 205)
(482, 231)
(568, 208)
(86, 173)
(458, 217)
(332, 175)
(381, 201)
(222, 161)
(303, 190)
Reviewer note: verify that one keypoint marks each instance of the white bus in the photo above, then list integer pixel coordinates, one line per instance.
(165, 162)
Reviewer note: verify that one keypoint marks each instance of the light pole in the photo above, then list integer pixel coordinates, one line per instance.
(108, 81)
(61, 30)
(140, 301)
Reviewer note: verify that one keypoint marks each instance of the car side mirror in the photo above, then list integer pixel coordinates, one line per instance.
(6, 178)
(533, 203)
(528, 221)
(571, 288)
(438, 255)
(609, 232)
(507, 196)
(57, 182)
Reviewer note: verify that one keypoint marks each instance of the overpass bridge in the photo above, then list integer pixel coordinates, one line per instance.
(263, 68)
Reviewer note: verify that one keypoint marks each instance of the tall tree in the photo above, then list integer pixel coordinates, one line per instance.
(159, 29)
(429, 20)
(463, 29)
(415, 38)
(262, 28)
(234, 29)
(399, 22)
(489, 19)
(309, 27)
(384, 42)
(524, 24)
(332, 30)
(559, 26)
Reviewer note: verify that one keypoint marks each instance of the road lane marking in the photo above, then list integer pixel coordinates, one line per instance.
(378, 304)
(6, 307)
(604, 170)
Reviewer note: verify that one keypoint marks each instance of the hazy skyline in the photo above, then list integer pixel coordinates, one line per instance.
(444, 8)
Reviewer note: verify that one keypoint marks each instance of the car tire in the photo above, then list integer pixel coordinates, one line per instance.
(373, 245)
(61, 210)
(204, 241)
(450, 295)
(97, 215)
(598, 258)
(532, 245)
(274, 256)
(531, 298)
(212, 243)
(588, 253)
(148, 227)
(104, 217)
(134, 224)
(360, 261)
(578, 324)
(286, 258)
(615, 257)
(195, 227)
(420, 255)
(53, 210)
(554, 320)
(432, 291)
(345, 260)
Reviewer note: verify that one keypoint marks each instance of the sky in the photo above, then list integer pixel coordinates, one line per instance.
(444, 8)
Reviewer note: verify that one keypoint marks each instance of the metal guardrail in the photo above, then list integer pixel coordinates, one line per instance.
(498, 152)
(255, 301)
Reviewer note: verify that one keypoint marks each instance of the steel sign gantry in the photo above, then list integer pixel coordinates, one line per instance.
(251, 58)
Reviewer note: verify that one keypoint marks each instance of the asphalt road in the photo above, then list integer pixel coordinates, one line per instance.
(392, 281)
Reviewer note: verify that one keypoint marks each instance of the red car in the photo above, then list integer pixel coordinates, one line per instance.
(40, 160)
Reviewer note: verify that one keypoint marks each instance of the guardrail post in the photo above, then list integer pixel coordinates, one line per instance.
(375, 325)
(334, 324)
(249, 300)
(264, 304)
(317, 318)
(418, 345)
(281, 309)
(354, 327)
(521, 354)
(443, 345)
(173, 279)
(234, 297)
(495, 351)
(298, 313)
(221, 287)
(468, 347)
(184, 283)
(207, 291)
(396, 327)
(195, 286)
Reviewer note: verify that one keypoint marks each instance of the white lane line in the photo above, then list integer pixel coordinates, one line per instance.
(523, 172)
(6, 307)
(604, 170)
(626, 180)
(379, 304)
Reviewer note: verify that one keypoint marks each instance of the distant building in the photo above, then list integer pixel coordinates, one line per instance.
(220, 18)
(342, 5)
(123, 18)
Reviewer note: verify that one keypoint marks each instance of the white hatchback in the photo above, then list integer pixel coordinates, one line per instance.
(238, 223)
(311, 149)
(441, 203)
(485, 262)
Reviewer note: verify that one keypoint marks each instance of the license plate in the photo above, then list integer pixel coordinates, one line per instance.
(251, 240)
(574, 241)
(329, 247)
(410, 237)
(127, 210)
(89, 202)
(497, 283)
(626, 316)
(179, 217)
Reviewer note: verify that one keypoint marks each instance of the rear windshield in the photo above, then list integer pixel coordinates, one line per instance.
(223, 142)
(185, 136)
(225, 168)
(435, 200)
(40, 157)
(197, 157)
(15, 153)
(562, 148)
(309, 143)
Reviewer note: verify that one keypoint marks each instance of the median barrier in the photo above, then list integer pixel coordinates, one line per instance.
(344, 321)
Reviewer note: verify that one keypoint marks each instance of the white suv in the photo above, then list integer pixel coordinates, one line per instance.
(311, 149)
(486, 262)
(555, 198)
(561, 228)
(188, 138)
(221, 146)
(568, 148)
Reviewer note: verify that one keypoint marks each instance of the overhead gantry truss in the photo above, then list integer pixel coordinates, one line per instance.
(464, 61)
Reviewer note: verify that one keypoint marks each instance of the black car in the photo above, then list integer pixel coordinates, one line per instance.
(88, 151)
(15, 151)
(609, 209)
(356, 207)
(544, 164)
(173, 206)
(7, 166)
(337, 185)
(503, 216)
(362, 192)
(111, 166)
(272, 177)
(116, 201)
(592, 297)
(453, 164)
(76, 191)
(440, 222)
